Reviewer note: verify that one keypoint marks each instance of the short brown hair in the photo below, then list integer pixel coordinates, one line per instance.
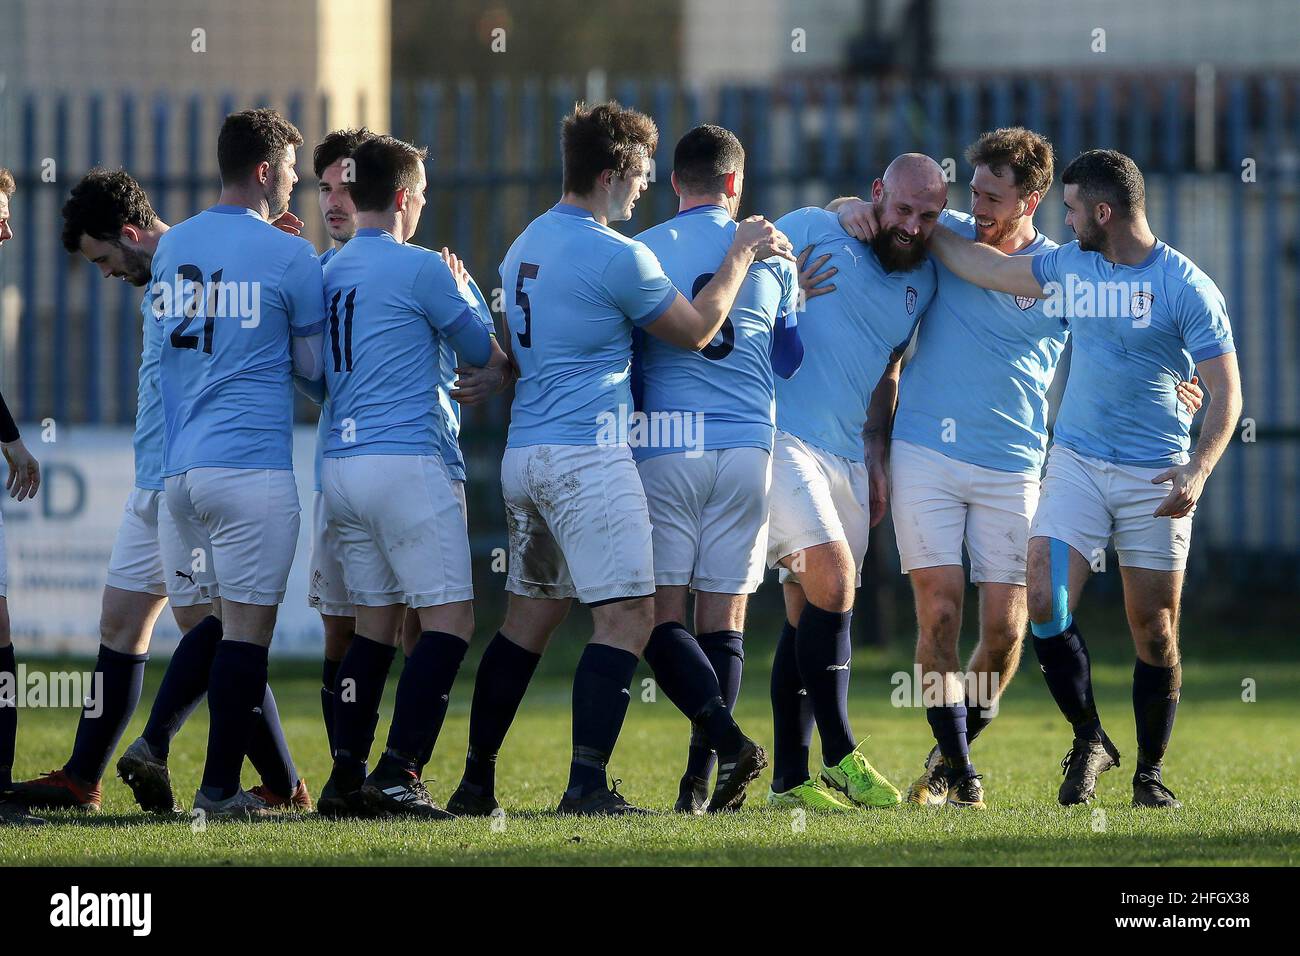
(251, 137)
(603, 137)
(7, 184)
(1028, 155)
(384, 164)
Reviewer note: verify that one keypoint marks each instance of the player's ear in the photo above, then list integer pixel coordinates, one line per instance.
(672, 178)
(877, 191)
(729, 187)
(399, 199)
(263, 173)
(129, 234)
(1032, 201)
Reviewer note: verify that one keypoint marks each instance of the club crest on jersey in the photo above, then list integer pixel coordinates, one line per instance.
(1025, 302)
(910, 300)
(1140, 306)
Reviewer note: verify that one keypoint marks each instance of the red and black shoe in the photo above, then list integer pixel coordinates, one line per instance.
(58, 790)
(299, 800)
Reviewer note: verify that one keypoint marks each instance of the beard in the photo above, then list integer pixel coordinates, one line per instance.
(277, 197)
(895, 257)
(137, 267)
(1091, 238)
(1002, 230)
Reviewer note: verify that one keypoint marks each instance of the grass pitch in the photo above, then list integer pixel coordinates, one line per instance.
(1232, 762)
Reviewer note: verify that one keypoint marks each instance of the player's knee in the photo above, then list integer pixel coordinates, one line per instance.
(338, 635)
(188, 618)
(940, 620)
(1156, 640)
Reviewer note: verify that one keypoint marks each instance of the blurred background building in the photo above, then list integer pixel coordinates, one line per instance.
(1206, 97)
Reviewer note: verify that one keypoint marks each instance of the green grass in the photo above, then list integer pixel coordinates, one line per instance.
(1233, 763)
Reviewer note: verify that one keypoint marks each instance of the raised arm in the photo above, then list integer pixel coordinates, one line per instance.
(693, 324)
(1223, 381)
(985, 266)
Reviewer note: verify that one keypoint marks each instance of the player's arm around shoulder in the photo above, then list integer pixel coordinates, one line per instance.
(693, 324)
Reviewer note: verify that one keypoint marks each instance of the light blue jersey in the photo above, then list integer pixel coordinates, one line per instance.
(231, 289)
(848, 335)
(390, 305)
(728, 382)
(574, 292)
(1137, 332)
(451, 453)
(976, 387)
(149, 422)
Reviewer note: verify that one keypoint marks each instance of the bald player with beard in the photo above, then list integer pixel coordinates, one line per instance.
(826, 494)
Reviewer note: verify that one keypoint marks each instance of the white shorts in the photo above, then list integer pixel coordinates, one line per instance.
(400, 530)
(578, 524)
(148, 556)
(939, 502)
(239, 527)
(816, 497)
(709, 518)
(1087, 502)
(326, 590)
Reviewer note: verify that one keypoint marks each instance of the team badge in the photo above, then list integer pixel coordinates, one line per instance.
(910, 300)
(1025, 302)
(1140, 307)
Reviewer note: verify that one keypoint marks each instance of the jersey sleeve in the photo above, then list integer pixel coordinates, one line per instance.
(636, 282)
(1050, 266)
(787, 348)
(303, 291)
(1202, 318)
(479, 303)
(439, 297)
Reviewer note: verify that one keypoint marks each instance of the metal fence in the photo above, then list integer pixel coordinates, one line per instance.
(1221, 157)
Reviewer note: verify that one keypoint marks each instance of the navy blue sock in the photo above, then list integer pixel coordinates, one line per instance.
(423, 693)
(268, 751)
(183, 685)
(824, 648)
(949, 725)
(976, 720)
(686, 677)
(121, 677)
(503, 675)
(1068, 670)
(726, 652)
(8, 714)
(792, 720)
(236, 688)
(600, 699)
(1155, 703)
(358, 689)
(329, 677)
